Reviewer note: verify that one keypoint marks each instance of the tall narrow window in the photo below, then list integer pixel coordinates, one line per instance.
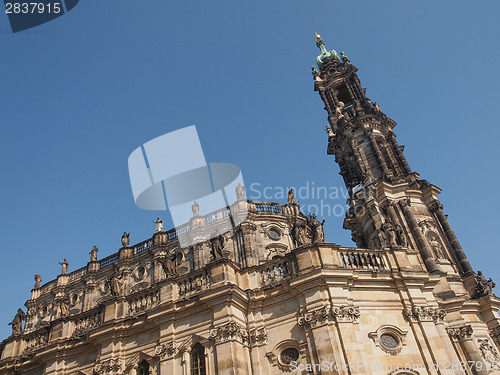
(143, 368)
(198, 360)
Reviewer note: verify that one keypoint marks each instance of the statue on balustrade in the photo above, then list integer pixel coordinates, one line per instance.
(196, 209)
(159, 224)
(240, 192)
(169, 264)
(318, 233)
(484, 287)
(93, 254)
(64, 266)
(38, 280)
(125, 239)
(116, 282)
(390, 234)
(217, 244)
(291, 197)
(400, 236)
(17, 323)
(301, 233)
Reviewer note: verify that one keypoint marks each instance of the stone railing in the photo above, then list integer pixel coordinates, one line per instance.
(142, 246)
(193, 284)
(275, 272)
(363, 259)
(143, 302)
(36, 340)
(217, 215)
(77, 274)
(90, 321)
(267, 208)
(109, 260)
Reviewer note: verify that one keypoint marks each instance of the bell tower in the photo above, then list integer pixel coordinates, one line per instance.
(390, 206)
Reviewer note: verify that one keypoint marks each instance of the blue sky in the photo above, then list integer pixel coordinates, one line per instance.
(79, 94)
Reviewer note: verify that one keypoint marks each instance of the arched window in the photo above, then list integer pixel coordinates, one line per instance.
(143, 368)
(198, 360)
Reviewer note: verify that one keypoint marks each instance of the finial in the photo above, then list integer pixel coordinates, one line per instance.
(318, 37)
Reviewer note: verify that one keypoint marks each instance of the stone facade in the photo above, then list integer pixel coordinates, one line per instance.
(273, 297)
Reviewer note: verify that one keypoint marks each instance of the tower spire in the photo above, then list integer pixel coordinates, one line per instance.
(389, 205)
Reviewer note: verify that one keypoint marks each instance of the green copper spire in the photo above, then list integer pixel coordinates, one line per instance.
(326, 56)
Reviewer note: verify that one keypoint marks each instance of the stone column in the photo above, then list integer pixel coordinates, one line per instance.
(437, 208)
(378, 153)
(319, 334)
(361, 164)
(231, 341)
(426, 252)
(463, 336)
(399, 153)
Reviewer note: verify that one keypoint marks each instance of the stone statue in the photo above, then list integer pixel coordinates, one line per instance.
(484, 287)
(359, 239)
(196, 209)
(240, 193)
(400, 236)
(64, 266)
(116, 282)
(390, 234)
(338, 110)
(217, 244)
(169, 264)
(436, 247)
(159, 224)
(62, 306)
(318, 234)
(93, 254)
(344, 57)
(17, 322)
(329, 131)
(38, 280)
(301, 233)
(125, 239)
(291, 197)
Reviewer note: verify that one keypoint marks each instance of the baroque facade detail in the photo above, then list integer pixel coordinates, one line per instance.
(459, 334)
(168, 349)
(310, 319)
(425, 314)
(270, 293)
(228, 332)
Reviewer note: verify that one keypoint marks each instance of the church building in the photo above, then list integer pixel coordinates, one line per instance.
(271, 296)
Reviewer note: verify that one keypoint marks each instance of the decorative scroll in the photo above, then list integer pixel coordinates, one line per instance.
(228, 332)
(339, 314)
(460, 333)
(425, 314)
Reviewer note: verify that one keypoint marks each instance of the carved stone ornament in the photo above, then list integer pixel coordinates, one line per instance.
(495, 334)
(313, 318)
(339, 314)
(424, 314)
(258, 336)
(229, 332)
(483, 287)
(349, 314)
(460, 333)
(108, 367)
(488, 352)
(390, 339)
(168, 349)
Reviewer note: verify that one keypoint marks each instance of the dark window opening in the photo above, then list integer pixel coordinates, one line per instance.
(198, 360)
